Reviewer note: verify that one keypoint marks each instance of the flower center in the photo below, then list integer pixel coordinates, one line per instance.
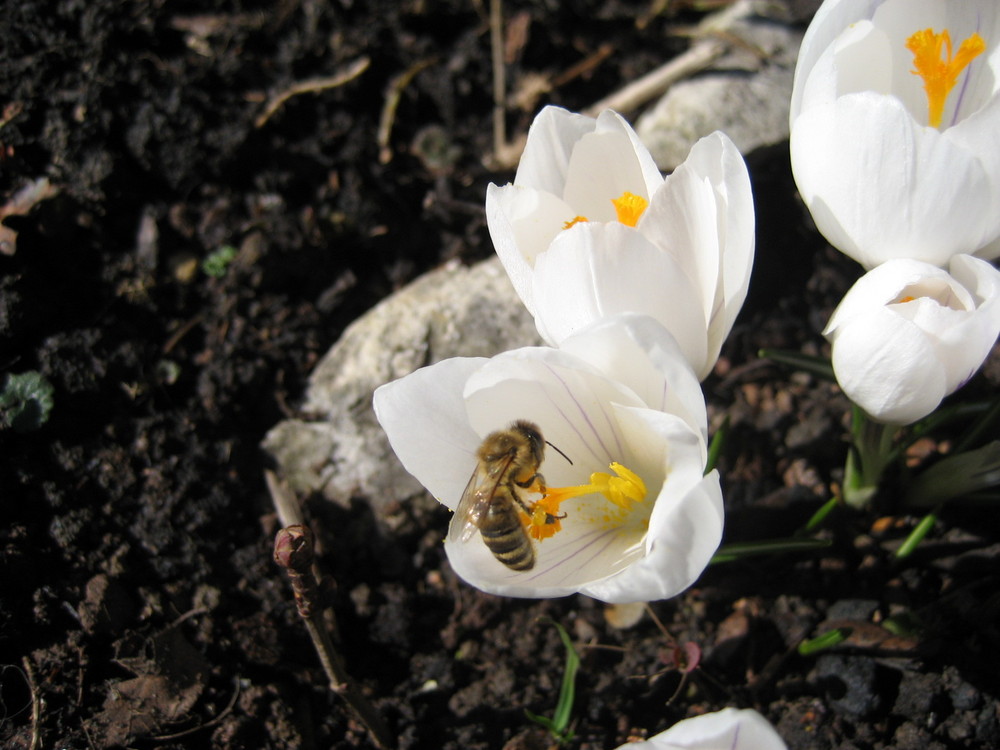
(629, 207)
(941, 293)
(623, 491)
(940, 72)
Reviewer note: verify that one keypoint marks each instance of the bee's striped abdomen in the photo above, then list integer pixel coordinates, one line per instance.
(505, 536)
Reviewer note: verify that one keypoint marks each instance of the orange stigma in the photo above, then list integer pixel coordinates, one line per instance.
(940, 71)
(629, 208)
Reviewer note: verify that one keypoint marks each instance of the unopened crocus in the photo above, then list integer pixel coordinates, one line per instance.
(908, 333)
(589, 228)
(894, 119)
(728, 729)
(632, 518)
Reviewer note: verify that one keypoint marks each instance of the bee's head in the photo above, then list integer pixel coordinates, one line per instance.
(533, 435)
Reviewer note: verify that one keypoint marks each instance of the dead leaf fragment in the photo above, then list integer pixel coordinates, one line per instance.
(20, 205)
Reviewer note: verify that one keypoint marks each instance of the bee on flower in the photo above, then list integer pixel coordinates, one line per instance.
(626, 514)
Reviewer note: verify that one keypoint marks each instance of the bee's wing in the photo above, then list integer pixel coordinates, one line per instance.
(471, 507)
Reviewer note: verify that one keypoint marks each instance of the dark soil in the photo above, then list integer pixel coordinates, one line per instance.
(139, 604)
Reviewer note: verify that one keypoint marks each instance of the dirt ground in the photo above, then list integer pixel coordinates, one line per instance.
(187, 232)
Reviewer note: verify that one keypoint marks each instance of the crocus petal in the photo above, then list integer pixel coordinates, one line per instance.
(638, 352)
(594, 271)
(909, 333)
(685, 527)
(859, 60)
(424, 417)
(704, 217)
(834, 148)
(523, 222)
(551, 138)
(977, 135)
(829, 22)
(728, 729)
(980, 329)
(606, 163)
(887, 366)
(559, 158)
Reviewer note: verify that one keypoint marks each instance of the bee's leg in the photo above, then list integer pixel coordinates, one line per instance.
(528, 509)
(535, 483)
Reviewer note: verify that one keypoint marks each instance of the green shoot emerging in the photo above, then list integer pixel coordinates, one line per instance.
(216, 263)
(829, 639)
(558, 725)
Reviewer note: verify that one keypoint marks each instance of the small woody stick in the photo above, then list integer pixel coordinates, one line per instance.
(293, 551)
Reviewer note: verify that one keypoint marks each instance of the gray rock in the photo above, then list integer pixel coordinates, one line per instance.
(337, 447)
(745, 93)
(850, 683)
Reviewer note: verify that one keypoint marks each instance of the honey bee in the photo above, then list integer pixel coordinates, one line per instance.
(508, 463)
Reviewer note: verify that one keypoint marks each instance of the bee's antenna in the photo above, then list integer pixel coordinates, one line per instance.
(559, 452)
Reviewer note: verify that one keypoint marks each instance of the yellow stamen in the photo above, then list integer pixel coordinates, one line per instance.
(624, 490)
(629, 208)
(940, 74)
(907, 298)
(574, 220)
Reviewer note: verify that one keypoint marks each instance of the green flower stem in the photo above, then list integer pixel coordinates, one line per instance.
(731, 552)
(820, 516)
(870, 454)
(916, 536)
(717, 444)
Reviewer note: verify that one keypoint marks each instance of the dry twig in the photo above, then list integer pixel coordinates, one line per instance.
(313, 85)
(285, 503)
(627, 99)
(393, 95)
(656, 82)
(499, 79)
(36, 704)
(293, 551)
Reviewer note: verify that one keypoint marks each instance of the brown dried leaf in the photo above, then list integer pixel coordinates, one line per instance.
(23, 201)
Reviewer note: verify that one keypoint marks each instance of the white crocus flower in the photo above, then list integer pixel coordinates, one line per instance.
(894, 120)
(728, 729)
(909, 333)
(589, 228)
(617, 395)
